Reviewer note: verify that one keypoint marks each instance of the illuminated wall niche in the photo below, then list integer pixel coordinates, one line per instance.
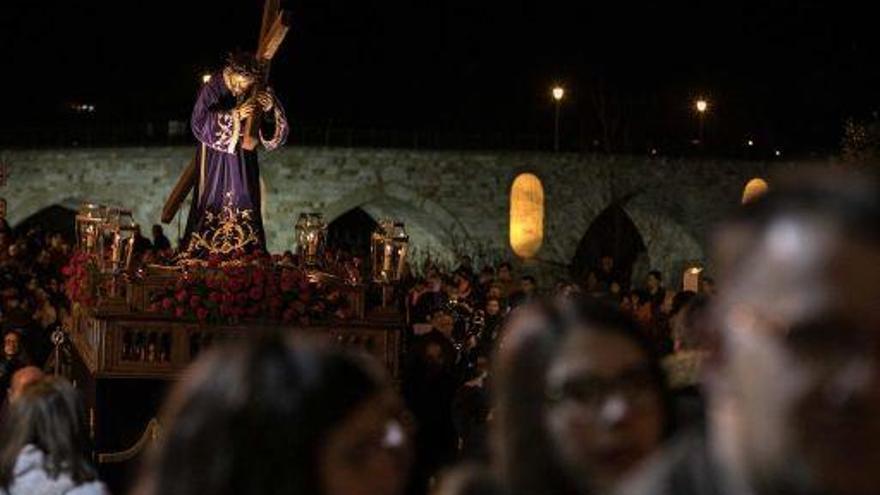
(755, 188)
(526, 215)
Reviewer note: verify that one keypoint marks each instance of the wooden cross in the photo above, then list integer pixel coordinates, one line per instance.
(275, 25)
(276, 22)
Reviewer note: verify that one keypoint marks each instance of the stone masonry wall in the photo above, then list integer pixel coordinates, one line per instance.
(450, 201)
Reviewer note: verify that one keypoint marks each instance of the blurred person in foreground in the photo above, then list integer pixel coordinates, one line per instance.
(44, 443)
(271, 418)
(794, 388)
(581, 400)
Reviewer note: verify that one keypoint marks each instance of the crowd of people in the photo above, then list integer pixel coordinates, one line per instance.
(32, 300)
(455, 320)
(769, 385)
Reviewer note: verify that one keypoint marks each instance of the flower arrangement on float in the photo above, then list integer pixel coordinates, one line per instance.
(256, 287)
(82, 279)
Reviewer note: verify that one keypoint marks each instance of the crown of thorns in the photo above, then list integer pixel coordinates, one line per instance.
(244, 63)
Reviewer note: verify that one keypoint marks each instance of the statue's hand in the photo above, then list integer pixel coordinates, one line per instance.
(245, 110)
(265, 100)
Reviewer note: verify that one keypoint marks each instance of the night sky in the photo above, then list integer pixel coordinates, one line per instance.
(786, 74)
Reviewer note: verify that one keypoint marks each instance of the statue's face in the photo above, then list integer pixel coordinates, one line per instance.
(239, 83)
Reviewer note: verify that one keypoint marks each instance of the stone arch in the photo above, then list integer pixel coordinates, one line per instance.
(670, 247)
(57, 217)
(21, 211)
(433, 230)
(612, 232)
(351, 231)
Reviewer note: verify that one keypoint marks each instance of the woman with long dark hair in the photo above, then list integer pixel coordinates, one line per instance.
(581, 400)
(44, 446)
(271, 418)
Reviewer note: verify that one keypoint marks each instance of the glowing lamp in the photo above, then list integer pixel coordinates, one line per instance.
(754, 189)
(526, 215)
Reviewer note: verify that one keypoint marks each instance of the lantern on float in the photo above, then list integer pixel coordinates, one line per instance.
(122, 231)
(389, 247)
(90, 221)
(526, 215)
(116, 240)
(311, 237)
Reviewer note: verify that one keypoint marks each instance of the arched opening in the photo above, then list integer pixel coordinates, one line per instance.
(613, 234)
(351, 232)
(54, 218)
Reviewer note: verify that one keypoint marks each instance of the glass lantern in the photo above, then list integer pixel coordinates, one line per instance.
(90, 220)
(389, 245)
(311, 238)
(117, 234)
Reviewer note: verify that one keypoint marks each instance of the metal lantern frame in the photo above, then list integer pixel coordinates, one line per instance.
(90, 222)
(389, 247)
(310, 233)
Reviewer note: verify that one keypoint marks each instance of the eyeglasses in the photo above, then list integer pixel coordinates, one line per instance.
(636, 385)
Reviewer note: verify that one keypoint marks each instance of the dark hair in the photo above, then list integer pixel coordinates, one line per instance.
(49, 415)
(528, 278)
(251, 419)
(505, 264)
(244, 63)
(656, 274)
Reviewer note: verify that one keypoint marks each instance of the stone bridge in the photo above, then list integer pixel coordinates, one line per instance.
(452, 202)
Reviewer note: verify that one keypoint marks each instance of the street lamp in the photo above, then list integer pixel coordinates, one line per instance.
(702, 106)
(558, 94)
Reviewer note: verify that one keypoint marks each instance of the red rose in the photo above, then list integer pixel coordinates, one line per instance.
(179, 312)
(216, 297)
(167, 303)
(181, 296)
(195, 301)
(202, 314)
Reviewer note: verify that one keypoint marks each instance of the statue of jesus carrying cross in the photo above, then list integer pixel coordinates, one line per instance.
(235, 112)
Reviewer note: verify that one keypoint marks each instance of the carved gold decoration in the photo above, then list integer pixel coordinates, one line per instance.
(226, 233)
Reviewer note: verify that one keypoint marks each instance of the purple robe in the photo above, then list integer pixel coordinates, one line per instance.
(225, 218)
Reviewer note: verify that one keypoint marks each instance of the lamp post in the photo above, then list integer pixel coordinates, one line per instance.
(558, 94)
(702, 106)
